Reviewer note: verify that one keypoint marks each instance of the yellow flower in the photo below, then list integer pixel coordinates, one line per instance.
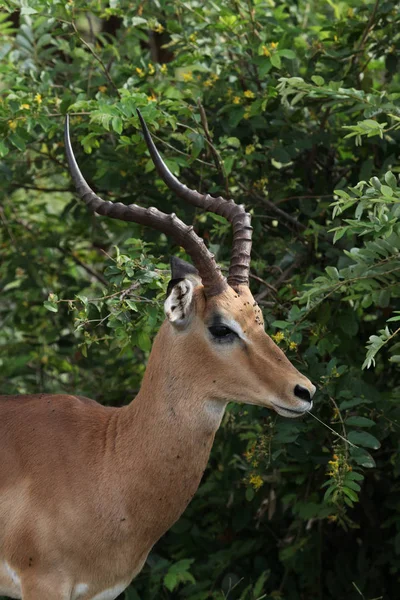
(163, 69)
(274, 45)
(151, 69)
(193, 38)
(247, 115)
(152, 98)
(102, 89)
(265, 51)
(12, 125)
(140, 72)
(249, 94)
(293, 346)
(188, 76)
(208, 83)
(214, 77)
(38, 98)
(256, 481)
(236, 100)
(158, 28)
(250, 149)
(261, 183)
(24, 107)
(250, 453)
(278, 336)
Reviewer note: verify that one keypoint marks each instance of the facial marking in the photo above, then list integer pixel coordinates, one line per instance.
(219, 320)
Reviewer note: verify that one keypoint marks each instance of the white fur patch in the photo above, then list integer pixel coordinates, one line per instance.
(111, 593)
(81, 591)
(177, 305)
(11, 580)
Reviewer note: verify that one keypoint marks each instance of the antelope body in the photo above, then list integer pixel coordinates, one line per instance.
(86, 490)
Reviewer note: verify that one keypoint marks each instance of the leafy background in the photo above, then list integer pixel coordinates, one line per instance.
(291, 108)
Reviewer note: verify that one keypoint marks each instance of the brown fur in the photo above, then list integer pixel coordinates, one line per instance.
(86, 490)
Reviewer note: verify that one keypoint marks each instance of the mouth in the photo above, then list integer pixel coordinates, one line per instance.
(291, 412)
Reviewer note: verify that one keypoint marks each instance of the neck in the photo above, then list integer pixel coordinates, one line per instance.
(165, 437)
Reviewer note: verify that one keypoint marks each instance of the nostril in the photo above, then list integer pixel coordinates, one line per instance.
(302, 392)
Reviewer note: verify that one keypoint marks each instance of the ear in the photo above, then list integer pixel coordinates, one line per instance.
(179, 303)
(181, 269)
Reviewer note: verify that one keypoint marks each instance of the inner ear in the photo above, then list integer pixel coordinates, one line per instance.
(178, 306)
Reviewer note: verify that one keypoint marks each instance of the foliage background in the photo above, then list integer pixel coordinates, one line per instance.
(277, 104)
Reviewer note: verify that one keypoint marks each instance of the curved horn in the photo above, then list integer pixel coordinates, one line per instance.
(234, 213)
(213, 281)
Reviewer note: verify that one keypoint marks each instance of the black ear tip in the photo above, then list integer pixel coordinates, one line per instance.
(181, 269)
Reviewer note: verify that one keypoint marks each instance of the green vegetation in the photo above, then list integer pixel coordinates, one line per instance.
(293, 109)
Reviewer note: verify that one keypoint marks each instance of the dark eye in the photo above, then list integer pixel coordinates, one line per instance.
(222, 333)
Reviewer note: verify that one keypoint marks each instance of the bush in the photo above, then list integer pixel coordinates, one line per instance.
(291, 108)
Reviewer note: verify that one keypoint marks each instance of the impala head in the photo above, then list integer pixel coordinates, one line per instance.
(213, 324)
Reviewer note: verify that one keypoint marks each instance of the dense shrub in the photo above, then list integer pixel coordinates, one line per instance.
(291, 108)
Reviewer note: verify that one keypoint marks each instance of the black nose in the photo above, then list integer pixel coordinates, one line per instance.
(302, 392)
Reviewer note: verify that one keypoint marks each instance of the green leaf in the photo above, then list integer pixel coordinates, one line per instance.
(287, 53)
(360, 421)
(391, 180)
(27, 10)
(352, 484)
(276, 60)
(387, 191)
(318, 80)
(4, 150)
(362, 438)
(350, 493)
(171, 581)
(280, 324)
(250, 493)
(17, 141)
(117, 124)
(144, 341)
(362, 457)
(51, 306)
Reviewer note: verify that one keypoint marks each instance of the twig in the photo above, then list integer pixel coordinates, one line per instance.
(340, 419)
(304, 197)
(97, 57)
(40, 189)
(275, 209)
(333, 431)
(217, 159)
(268, 285)
(203, 162)
(281, 279)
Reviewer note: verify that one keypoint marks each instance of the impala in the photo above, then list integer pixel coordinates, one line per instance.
(86, 490)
